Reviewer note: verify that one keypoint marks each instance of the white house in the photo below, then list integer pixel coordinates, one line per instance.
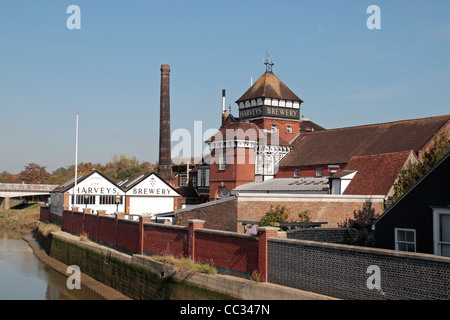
(92, 190)
(148, 194)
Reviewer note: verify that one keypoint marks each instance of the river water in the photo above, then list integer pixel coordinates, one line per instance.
(24, 277)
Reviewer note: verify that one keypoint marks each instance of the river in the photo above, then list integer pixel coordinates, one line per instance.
(24, 277)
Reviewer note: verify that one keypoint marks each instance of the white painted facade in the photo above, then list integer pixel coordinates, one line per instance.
(93, 191)
(151, 196)
(101, 192)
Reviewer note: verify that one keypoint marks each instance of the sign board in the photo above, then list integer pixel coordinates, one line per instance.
(152, 186)
(269, 111)
(97, 185)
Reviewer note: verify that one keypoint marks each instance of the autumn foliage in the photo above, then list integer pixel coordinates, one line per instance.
(119, 168)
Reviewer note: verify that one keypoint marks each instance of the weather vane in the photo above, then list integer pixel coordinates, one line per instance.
(268, 62)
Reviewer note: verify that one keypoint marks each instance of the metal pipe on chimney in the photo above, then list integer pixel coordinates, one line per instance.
(223, 102)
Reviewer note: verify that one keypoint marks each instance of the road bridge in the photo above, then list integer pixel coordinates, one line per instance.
(16, 190)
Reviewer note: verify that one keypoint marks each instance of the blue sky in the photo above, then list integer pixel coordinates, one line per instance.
(109, 71)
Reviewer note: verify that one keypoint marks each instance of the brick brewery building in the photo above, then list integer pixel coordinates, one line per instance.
(263, 157)
(270, 140)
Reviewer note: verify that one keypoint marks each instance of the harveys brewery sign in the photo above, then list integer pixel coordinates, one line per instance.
(153, 186)
(269, 111)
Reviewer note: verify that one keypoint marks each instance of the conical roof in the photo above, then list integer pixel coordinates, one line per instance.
(269, 86)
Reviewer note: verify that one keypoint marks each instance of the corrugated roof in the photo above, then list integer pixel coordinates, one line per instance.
(287, 184)
(127, 184)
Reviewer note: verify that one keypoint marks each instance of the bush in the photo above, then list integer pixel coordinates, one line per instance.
(274, 216)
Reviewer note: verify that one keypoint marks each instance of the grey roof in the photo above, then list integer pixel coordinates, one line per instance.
(342, 174)
(129, 183)
(287, 184)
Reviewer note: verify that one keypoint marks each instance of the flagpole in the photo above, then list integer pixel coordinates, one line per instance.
(76, 164)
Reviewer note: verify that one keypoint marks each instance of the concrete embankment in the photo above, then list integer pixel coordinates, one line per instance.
(95, 286)
(115, 275)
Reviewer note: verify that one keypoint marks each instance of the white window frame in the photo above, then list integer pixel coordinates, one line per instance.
(319, 172)
(223, 160)
(407, 242)
(289, 129)
(437, 243)
(274, 127)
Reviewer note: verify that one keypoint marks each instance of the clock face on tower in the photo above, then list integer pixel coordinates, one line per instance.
(223, 192)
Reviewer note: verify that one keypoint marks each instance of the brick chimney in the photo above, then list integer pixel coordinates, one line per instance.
(165, 159)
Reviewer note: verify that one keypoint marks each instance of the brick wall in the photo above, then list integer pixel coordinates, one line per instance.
(232, 253)
(335, 235)
(218, 215)
(107, 230)
(329, 209)
(165, 240)
(224, 214)
(223, 249)
(44, 214)
(343, 271)
(127, 235)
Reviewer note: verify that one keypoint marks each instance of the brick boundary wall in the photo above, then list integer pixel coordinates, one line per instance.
(334, 210)
(233, 253)
(218, 215)
(330, 235)
(222, 249)
(344, 271)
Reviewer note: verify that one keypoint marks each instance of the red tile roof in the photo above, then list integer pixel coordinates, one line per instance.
(337, 146)
(376, 173)
(269, 86)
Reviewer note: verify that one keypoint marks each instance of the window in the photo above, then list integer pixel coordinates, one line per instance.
(203, 177)
(296, 173)
(223, 160)
(405, 240)
(81, 200)
(319, 172)
(183, 180)
(194, 181)
(268, 164)
(274, 127)
(441, 231)
(289, 129)
(109, 200)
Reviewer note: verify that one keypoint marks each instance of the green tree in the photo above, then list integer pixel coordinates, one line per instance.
(414, 171)
(274, 216)
(359, 232)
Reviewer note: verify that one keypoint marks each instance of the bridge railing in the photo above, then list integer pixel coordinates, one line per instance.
(26, 187)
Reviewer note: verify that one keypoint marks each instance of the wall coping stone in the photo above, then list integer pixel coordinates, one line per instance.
(227, 233)
(369, 250)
